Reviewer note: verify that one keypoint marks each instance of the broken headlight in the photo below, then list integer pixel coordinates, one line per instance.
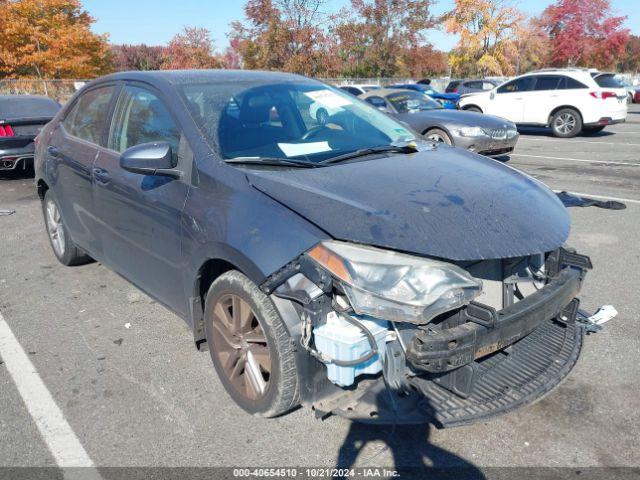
(395, 286)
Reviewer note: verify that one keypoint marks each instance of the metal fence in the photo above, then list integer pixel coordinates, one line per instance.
(60, 90)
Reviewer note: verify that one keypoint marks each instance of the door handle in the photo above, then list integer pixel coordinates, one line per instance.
(53, 151)
(101, 176)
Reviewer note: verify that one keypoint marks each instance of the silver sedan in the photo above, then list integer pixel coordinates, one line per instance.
(484, 134)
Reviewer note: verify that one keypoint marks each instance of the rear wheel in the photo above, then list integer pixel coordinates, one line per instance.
(566, 123)
(250, 347)
(438, 135)
(63, 247)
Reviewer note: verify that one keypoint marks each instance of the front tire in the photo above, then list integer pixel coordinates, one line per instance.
(63, 246)
(566, 123)
(473, 109)
(250, 347)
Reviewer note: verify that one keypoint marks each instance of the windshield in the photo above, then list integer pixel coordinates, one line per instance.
(411, 102)
(305, 121)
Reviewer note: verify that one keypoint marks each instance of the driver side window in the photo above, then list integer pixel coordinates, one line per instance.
(518, 85)
(141, 117)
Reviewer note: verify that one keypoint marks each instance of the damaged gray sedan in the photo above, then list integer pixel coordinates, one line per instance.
(344, 264)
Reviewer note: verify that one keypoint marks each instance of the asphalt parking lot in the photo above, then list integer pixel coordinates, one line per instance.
(125, 375)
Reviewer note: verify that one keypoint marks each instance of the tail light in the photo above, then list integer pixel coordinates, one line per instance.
(455, 90)
(603, 95)
(6, 131)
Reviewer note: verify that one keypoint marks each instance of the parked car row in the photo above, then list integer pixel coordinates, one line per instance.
(569, 101)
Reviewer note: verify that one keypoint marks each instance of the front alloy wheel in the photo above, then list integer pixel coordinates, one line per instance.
(250, 346)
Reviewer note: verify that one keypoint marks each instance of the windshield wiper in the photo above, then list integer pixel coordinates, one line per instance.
(409, 148)
(271, 161)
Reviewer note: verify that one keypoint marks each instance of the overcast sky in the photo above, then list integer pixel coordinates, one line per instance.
(154, 22)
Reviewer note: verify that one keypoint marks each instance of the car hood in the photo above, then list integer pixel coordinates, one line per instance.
(463, 118)
(444, 203)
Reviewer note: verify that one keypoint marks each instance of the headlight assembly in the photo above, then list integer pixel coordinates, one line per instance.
(395, 286)
(472, 132)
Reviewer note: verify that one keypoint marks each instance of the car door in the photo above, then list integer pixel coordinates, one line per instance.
(71, 153)
(508, 101)
(141, 214)
(543, 98)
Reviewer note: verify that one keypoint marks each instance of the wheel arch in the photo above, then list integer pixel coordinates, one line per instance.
(440, 127)
(473, 105)
(42, 188)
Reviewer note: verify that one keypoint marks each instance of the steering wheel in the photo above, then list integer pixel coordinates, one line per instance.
(314, 131)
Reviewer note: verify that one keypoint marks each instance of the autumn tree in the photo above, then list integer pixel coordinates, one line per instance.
(137, 57)
(584, 33)
(50, 39)
(378, 36)
(191, 49)
(487, 30)
(281, 35)
(532, 46)
(630, 61)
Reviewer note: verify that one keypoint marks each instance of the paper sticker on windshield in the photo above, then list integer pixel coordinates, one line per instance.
(296, 149)
(328, 98)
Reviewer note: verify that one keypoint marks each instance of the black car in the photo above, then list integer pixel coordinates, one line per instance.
(21, 118)
(346, 265)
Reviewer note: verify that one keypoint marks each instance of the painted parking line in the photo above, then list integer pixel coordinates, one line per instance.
(601, 197)
(583, 160)
(561, 141)
(65, 447)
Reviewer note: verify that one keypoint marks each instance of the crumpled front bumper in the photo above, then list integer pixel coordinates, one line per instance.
(487, 331)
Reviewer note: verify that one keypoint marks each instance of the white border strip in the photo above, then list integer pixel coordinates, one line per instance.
(603, 197)
(565, 159)
(56, 432)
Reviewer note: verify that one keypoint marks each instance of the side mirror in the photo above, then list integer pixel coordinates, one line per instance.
(493, 94)
(150, 159)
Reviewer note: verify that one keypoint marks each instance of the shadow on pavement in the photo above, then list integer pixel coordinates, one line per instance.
(413, 454)
(19, 174)
(546, 132)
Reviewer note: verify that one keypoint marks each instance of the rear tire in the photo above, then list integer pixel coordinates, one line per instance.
(250, 346)
(438, 135)
(473, 109)
(62, 245)
(566, 123)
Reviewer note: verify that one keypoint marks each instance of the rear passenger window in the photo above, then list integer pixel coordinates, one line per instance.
(141, 117)
(547, 82)
(519, 85)
(474, 85)
(87, 117)
(377, 102)
(568, 83)
(607, 81)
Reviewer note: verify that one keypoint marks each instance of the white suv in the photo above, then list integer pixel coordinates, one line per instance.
(567, 100)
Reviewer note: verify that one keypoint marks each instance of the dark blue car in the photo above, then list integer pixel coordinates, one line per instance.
(448, 100)
(343, 264)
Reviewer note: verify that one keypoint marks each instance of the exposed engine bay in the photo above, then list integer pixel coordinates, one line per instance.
(389, 337)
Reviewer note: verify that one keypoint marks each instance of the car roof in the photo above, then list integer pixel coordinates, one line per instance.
(181, 77)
